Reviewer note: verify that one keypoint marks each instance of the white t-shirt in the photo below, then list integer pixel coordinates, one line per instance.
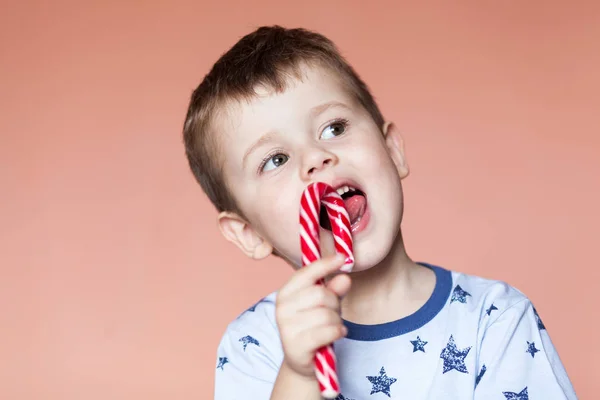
(473, 339)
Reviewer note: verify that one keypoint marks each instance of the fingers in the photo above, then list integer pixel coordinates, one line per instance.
(308, 314)
(319, 295)
(313, 329)
(339, 285)
(312, 273)
(303, 335)
(317, 317)
(311, 297)
(323, 336)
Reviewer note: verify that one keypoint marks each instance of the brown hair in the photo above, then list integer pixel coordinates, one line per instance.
(267, 57)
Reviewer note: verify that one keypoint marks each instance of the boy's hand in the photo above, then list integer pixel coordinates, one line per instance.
(308, 315)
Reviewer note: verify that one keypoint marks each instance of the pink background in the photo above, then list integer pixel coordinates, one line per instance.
(115, 283)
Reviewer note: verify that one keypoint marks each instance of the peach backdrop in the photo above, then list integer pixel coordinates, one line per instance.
(115, 281)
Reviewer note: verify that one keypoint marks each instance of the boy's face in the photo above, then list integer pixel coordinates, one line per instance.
(276, 144)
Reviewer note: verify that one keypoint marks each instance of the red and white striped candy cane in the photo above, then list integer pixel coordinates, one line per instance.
(316, 195)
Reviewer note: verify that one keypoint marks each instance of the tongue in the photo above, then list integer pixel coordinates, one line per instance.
(355, 206)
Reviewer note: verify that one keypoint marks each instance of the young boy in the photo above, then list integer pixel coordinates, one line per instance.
(280, 110)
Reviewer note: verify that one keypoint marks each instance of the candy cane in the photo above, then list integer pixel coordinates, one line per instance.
(315, 195)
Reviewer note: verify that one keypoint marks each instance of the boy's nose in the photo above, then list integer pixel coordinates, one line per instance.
(318, 160)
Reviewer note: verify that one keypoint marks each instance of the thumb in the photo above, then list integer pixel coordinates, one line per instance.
(340, 284)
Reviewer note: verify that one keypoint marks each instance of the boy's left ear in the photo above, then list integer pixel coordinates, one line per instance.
(395, 145)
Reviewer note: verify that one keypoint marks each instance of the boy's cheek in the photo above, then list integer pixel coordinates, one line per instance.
(279, 213)
(372, 160)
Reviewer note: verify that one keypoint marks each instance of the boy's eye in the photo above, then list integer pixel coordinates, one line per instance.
(274, 162)
(333, 130)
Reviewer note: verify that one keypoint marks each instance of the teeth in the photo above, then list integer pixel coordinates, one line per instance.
(345, 189)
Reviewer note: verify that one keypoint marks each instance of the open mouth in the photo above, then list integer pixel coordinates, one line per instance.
(355, 202)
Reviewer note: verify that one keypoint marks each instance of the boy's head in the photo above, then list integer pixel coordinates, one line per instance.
(279, 110)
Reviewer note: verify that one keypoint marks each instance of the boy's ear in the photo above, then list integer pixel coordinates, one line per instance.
(395, 145)
(236, 230)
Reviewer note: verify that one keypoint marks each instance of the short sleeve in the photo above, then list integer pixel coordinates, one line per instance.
(248, 356)
(517, 360)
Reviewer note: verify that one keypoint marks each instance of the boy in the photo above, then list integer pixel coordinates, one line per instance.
(280, 110)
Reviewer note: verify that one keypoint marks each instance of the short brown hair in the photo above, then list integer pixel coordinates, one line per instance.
(264, 57)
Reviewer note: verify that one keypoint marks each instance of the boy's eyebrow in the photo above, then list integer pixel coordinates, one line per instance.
(262, 140)
(321, 108)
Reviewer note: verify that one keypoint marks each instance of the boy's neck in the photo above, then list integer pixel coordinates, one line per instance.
(393, 289)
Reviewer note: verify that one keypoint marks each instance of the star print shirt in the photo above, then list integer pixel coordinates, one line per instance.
(473, 339)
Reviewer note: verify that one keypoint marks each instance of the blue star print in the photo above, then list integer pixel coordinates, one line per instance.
(481, 373)
(341, 397)
(531, 349)
(222, 362)
(516, 396)
(381, 383)
(492, 308)
(539, 320)
(418, 345)
(458, 294)
(253, 308)
(246, 340)
(454, 358)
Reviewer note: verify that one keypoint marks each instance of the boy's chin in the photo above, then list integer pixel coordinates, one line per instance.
(364, 262)
(372, 250)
